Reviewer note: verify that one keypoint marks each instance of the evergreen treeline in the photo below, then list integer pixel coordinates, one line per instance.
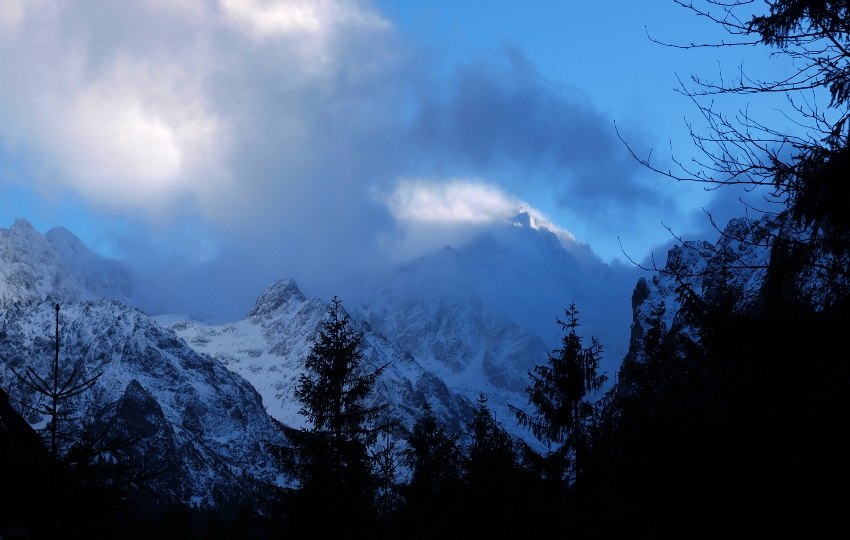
(734, 419)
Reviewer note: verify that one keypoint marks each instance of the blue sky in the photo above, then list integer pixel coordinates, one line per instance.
(235, 142)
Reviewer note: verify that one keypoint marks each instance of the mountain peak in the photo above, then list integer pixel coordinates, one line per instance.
(523, 219)
(34, 266)
(283, 293)
(60, 236)
(21, 223)
(529, 221)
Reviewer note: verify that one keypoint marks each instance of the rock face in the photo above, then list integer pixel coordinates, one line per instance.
(270, 345)
(740, 258)
(446, 326)
(199, 422)
(34, 266)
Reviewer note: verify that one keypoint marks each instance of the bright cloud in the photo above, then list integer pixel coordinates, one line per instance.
(11, 11)
(453, 201)
(135, 104)
(268, 18)
(460, 201)
(270, 125)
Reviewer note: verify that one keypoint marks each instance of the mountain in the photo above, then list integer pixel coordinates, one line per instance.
(739, 258)
(268, 348)
(201, 423)
(34, 266)
(448, 326)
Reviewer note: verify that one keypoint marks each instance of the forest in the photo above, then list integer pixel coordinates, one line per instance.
(730, 415)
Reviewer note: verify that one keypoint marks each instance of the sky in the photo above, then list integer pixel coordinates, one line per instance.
(219, 145)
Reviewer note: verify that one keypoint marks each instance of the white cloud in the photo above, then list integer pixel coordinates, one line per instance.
(267, 18)
(11, 11)
(452, 201)
(131, 137)
(459, 201)
(135, 105)
(436, 212)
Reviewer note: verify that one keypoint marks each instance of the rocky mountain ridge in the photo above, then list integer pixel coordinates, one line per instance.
(57, 264)
(447, 326)
(739, 259)
(200, 423)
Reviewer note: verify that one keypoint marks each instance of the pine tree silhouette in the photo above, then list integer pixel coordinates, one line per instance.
(337, 482)
(560, 393)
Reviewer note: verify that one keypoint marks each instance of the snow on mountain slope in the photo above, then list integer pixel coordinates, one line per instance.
(449, 325)
(34, 266)
(507, 285)
(270, 345)
(740, 256)
(202, 423)
(103, 277)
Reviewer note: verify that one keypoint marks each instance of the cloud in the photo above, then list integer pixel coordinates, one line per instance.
(135, 104)
(266, 128)
(268, 18)
(454, 201)
(499, 113)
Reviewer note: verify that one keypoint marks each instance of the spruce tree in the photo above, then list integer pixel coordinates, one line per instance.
(432, 456)
(433, 459)
(76, 486)
(57, 394)
(491, 478)
(560, 393)
(337, 483)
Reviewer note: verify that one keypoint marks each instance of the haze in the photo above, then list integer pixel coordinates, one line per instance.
(216, 146)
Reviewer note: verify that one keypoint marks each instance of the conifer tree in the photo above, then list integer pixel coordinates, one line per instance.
(80, 487)
(432, 456)
(490, 447)
(337, 483)
(57, 393)
(387, 460)
(560, 393)
(431, 495)
(490, 476)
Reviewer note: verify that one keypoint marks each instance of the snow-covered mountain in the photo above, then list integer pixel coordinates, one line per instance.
(269, 346)
(57, 264)
(740, 258)
(201, 423)
(448, 326)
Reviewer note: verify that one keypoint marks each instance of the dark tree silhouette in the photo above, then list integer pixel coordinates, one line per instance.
(491, 477)
(78, 490)
(387, 459)
(432, 456)
(809, 231)
(57, 393)
(561, 393)
(434, 460)
(748, 421)
(337, 480)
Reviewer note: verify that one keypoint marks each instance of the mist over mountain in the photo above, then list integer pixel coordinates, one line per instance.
(56, 264)
(447, 326)
(528, 272)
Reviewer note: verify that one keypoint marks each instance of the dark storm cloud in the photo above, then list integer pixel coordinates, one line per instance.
(499, 112)
(275, 147)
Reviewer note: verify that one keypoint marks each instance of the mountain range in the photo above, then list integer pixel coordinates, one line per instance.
(448, 326)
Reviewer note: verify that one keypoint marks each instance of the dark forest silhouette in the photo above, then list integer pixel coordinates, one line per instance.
(734, 417)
